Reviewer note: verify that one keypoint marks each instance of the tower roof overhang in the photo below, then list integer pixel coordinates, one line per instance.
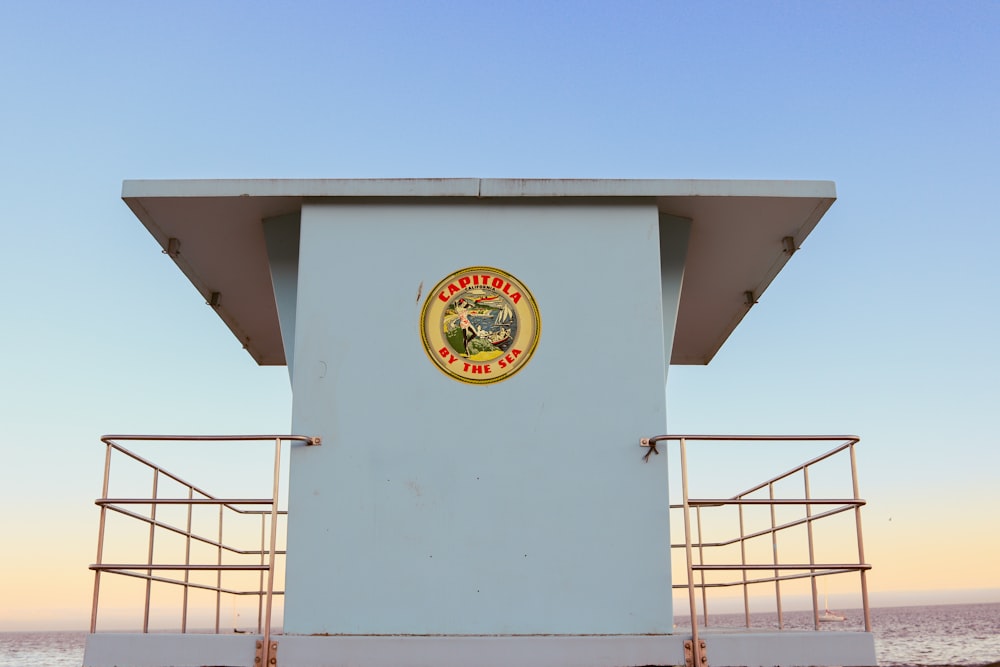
(742, 234)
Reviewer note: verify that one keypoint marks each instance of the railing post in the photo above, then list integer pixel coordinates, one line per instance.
(743, 561)
(274, 538)
(218, 574)
(187, 560)
(812, 556)
(774, 547)
(695, 646)
(152, 533)
(260, 576)
(701, 561)
(861, 544)
(100, 538)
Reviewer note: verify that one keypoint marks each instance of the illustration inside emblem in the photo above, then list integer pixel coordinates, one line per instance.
(480, 325)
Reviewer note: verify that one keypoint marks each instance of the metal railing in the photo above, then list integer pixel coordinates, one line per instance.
(749, 573)
(192, 496)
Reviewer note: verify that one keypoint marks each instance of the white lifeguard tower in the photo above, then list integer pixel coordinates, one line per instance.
(480, 360)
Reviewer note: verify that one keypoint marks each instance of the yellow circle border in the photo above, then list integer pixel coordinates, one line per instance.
(478, 279)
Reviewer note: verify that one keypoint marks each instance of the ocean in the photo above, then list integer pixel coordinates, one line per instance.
(919, 636)
(929, 636)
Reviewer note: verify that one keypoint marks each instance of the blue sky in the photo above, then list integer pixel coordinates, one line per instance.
(884, 325)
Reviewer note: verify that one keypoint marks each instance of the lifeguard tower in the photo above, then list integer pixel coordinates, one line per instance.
(478, 369)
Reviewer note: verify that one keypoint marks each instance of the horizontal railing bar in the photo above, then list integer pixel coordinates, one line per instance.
(200, 501)
(309, 440)
(190, 584)
(720, 502)
(768, 580)
(851, 567)
(193, 536)
(184, 501)
(154, 566)
(776, 438)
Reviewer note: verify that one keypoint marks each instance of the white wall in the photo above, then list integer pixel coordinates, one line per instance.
(435, 506)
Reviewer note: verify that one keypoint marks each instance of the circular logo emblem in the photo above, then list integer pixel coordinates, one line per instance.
(480, 325)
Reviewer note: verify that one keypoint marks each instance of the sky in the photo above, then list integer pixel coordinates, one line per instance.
(883, 325)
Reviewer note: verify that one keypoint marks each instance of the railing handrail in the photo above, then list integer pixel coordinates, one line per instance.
(783, 566)
(184, 501)
(308, 439)
(111, 441)
(849, 440)
(751, 438)
(145, 570)
(738, 500)
(174, 566)
(781, 571)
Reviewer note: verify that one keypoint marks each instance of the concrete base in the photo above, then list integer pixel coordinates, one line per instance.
(109, 649)
(724, 649)
(747, 648)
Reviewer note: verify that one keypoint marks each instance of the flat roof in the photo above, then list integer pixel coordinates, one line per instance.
(737, 243)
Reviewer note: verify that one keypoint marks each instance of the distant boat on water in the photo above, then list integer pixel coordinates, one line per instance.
(828, 616)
